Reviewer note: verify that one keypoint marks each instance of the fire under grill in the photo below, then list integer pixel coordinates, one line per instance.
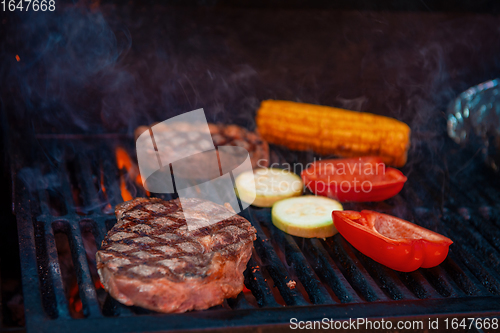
(64, 203)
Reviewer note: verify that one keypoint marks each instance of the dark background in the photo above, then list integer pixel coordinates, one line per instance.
(99, 67)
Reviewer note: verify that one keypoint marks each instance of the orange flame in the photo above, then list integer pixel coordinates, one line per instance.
(124, 161)
(108, 207)
(75, 303)
(98, 284)
(125, 193)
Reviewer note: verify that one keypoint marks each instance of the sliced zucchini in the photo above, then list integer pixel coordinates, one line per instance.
(307, 216)
(264, 186)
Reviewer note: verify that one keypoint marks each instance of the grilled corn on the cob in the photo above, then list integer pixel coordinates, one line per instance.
(329, 130)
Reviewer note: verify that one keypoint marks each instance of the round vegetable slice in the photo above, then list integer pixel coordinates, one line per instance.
(264, 186)
(307, 216)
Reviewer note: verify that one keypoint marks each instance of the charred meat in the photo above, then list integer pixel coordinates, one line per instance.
(151, 259)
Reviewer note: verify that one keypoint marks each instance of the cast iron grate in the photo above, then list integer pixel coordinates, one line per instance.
(70, 188)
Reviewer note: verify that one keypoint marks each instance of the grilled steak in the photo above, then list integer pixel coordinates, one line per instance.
(233, 135)
(222, 135)
(151, 259)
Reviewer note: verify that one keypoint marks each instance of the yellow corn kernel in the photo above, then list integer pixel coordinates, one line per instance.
(329, 130)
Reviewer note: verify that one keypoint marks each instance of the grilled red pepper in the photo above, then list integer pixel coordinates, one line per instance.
(391, 241)
(353, 179)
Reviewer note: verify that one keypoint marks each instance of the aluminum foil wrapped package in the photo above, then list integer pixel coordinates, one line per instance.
(474, 120)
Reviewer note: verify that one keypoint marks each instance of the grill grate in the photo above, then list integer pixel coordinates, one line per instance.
(63, 193)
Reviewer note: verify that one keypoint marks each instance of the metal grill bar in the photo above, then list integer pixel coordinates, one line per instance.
(439, 281)
(26, 232)
(464, 253)
(65, 190)
(239, 303)
(352, 270)
(337, 278)
(86, 286)
(386, 278)
(100, 228)
(473, 241)
(329, 272)
(471, 284)
(274, 266)
(254, 280)
(419, 285)
(55, 272)
(111, 175)
(317, 293)
(84, 178)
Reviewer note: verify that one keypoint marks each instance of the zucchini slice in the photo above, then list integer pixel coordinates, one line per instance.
(307, 216)
(267, 185)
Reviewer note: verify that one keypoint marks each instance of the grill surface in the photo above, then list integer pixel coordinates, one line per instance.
(333, 279)
(93, 80)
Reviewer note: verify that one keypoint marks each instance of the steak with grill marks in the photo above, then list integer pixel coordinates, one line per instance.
(183, 134)
(151, 259)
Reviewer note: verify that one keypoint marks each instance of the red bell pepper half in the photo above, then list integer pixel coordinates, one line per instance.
(393, 242)
(358, 179)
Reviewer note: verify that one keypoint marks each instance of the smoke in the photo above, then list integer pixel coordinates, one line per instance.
(66, 58)
(107, 69)
(113, 68)
(355, 104)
